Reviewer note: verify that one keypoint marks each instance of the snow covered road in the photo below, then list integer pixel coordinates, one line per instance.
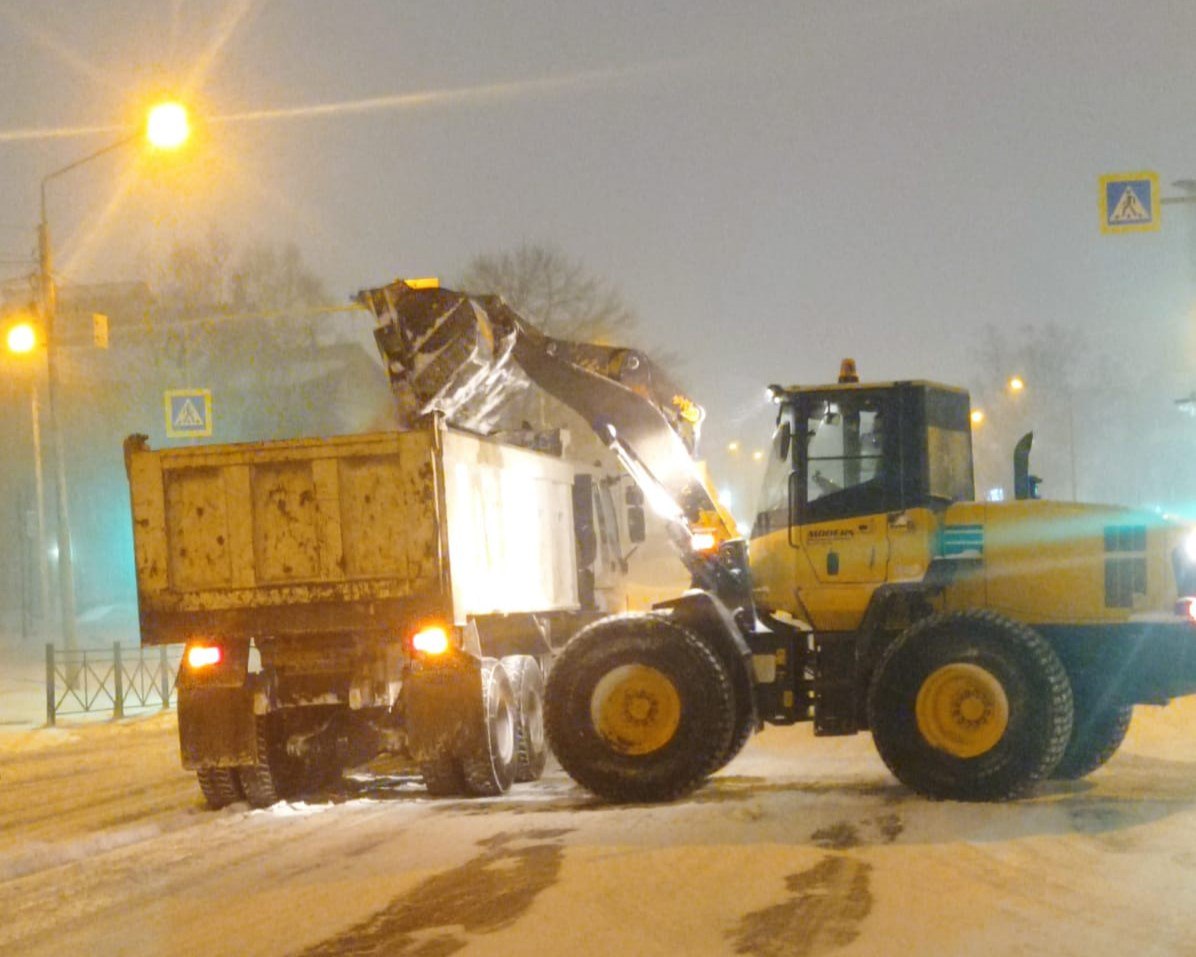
(800, 847)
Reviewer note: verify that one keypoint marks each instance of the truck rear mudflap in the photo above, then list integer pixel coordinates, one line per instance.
(442, 708)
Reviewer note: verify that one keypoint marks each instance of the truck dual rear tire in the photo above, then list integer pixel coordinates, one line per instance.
(639, 709)
(970, 706)
(531, 747)
(220, 787)
(490, 768)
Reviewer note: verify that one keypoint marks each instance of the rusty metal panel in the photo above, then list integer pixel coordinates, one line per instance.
(148, 503)
(285, 543)
(197, 529)
(287, 537)
(510, 528)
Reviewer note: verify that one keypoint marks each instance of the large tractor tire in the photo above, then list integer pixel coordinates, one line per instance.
(970, 706)
(490, 768)
(531, 747)
(1098, 731)
(639, 709)
(220, 787)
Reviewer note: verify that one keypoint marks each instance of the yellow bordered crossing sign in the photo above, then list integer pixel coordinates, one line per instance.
(188, 413)
(1129, 202)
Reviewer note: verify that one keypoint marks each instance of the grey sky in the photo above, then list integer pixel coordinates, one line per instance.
(771, 185)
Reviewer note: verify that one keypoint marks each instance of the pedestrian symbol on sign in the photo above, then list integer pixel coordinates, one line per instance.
(188, 413)
(1129, 202)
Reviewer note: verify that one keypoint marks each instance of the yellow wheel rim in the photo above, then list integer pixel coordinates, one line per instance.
(962, 710)
(636, 709)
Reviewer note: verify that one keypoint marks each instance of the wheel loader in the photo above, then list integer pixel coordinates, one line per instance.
(987, 646)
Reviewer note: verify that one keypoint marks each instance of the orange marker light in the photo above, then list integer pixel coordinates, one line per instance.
(203, 656)
(432, 640)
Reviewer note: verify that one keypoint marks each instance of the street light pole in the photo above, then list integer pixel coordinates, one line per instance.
(49, 308)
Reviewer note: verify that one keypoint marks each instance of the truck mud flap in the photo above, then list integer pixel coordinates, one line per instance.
(442, 709)
(216, 727)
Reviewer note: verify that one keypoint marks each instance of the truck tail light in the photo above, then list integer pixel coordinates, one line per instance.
(204, 656)
(432, 640)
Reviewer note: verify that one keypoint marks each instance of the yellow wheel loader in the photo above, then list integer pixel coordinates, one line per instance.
(986, 645)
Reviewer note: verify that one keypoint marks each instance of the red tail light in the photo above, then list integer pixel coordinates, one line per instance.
(204, 656)
(432, 641)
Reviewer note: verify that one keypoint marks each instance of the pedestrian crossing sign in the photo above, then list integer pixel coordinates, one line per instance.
(188, 413)
(1129, 203)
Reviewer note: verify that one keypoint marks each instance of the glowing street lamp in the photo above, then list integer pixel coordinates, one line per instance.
(977, 417)
(1016, 384)
(166, 128)
(21, 338)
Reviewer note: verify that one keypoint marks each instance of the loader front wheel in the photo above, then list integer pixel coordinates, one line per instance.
(970, 706)
(639, 709)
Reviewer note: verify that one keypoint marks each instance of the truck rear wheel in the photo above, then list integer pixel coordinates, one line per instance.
(220, 787)
(639, 709)
(443, 776)
(531, 748)
(278, 775)
(490, 769)
(970, 706)
(1098, 731)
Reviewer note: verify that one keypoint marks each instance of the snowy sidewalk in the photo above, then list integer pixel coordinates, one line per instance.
(22, 686)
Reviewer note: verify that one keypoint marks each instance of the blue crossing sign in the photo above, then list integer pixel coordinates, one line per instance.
(1129, 202)
(188, 413)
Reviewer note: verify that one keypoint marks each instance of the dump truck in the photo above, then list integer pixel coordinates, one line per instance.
(986, 646)
(386, 593)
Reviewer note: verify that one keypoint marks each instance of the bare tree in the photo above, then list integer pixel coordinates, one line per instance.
(555, 292)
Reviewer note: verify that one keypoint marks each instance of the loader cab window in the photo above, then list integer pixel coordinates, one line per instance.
(773, 513)
(849, 464)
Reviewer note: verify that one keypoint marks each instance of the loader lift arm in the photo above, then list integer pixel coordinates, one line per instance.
(465, 356)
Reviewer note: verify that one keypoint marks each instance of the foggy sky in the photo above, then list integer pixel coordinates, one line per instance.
(772, 186)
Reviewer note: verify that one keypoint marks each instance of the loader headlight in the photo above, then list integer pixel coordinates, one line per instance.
(1189, 546)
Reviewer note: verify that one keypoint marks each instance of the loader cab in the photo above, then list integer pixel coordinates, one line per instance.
(849, 464)
(848, 450)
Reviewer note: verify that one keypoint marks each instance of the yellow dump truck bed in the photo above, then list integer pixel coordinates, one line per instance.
(346, 535)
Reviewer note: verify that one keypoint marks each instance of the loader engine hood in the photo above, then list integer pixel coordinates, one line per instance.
(1047, 561)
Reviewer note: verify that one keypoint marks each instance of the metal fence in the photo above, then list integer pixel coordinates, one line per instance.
(120, 680)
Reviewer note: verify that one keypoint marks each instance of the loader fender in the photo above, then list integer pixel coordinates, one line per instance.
(704, 615)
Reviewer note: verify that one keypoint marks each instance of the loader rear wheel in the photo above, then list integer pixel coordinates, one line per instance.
(531, 748)
(970, 706)
(1098, 731)
(639, 709)
(490, 768)
(220, 787)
